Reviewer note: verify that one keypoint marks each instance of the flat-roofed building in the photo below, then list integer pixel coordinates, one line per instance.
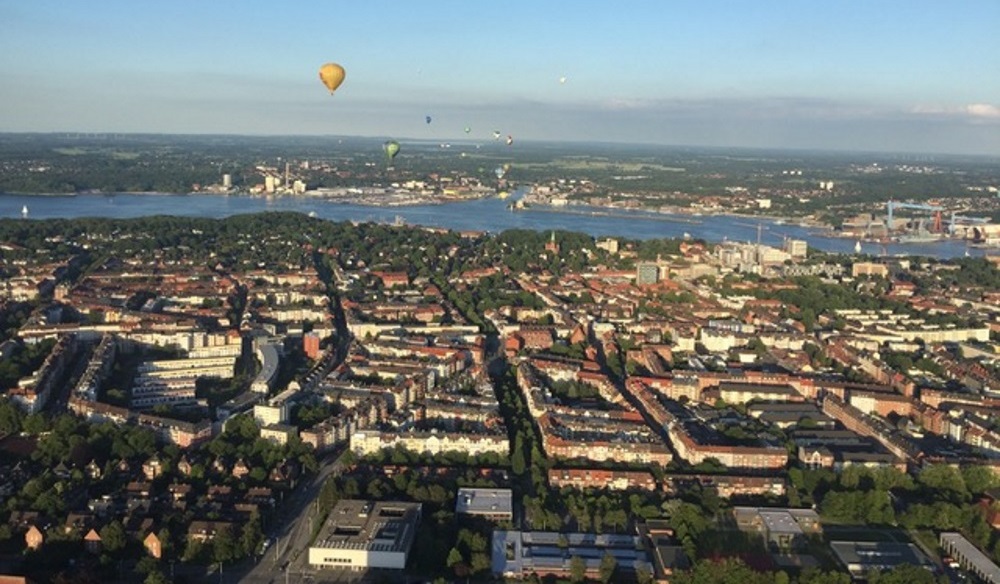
(495, 504)
(359, 535)
(267, 415)
(239, 404)
(869, 269)
(666, 553)
(797, 248)
(278, 433)
(726, 485)
(270, 360)
(549, 553)
(789, 414)
(783, 529)
(861, 557)
(970, 557)
(647, 273)
(741, 393)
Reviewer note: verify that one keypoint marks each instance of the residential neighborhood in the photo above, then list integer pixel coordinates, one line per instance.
(198, 399)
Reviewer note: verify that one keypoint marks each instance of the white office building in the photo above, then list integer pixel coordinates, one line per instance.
(359, 535)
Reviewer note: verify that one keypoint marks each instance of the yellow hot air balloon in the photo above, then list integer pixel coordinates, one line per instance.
(332, 75)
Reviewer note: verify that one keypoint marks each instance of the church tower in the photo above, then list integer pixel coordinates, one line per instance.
(552, 245)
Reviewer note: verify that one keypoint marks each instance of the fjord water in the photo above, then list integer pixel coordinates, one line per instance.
(479, 215)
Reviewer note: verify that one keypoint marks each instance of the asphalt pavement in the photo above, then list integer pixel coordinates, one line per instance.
(287, 558)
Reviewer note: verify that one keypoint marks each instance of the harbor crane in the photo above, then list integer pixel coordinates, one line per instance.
(771, 232)
(891, 206)
(956, 218)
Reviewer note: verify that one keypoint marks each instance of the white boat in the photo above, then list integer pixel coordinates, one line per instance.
(857, 246)
(24, 211)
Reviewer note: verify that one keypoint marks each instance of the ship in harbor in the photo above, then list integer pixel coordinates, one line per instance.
(917, 238)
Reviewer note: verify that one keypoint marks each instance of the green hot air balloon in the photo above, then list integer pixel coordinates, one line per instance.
(391, 149)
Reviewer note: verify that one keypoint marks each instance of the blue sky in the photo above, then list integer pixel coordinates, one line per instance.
(850, 74)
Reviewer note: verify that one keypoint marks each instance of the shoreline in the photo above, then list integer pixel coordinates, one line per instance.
(480, 214)
(678, 216)
(15, 194)
(433, 201)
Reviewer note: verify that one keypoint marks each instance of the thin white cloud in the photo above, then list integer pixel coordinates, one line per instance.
(750, 108)
(973, 111)
(983, 110)
(624, 104)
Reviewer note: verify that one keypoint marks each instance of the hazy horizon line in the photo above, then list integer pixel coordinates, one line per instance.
(464, 140)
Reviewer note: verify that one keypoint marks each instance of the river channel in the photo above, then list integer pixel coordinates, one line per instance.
(480, 215)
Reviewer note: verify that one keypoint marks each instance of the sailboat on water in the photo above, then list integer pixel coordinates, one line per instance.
(24, 211)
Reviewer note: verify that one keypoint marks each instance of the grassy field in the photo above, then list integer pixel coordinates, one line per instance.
(70, 151)
(113, 154)
(601, 165)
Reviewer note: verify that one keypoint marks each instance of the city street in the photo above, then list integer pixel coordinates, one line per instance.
(287, 558)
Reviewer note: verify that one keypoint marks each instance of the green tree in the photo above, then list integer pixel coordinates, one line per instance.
(903, 574)
(113, 537)
(978, 478)
(351, 487)
(454, 558)
(728, 571)
(156, 577)
(329, 495)
(944, 482)
(480, 562)
(35, 424)
(643, 575)
(808, 318)
(577, 569)
(608, 567)
(865, 507)
(517, 463)
(224, 545)
(617, 518)
(252, 536)
(815, 576)
(146, 565)
(11, 417)
(166, 543)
